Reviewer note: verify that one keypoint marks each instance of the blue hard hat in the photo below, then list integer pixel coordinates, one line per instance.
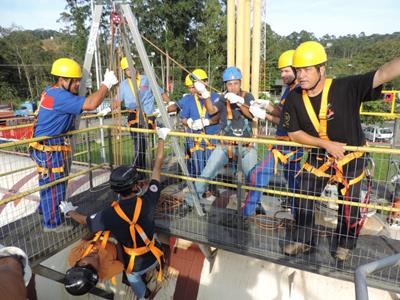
(232, 73)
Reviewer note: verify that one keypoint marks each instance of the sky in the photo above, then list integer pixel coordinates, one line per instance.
(334, 17)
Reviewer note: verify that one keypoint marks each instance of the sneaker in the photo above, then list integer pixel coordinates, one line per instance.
(342, 254)
(58, 229)
(296, 248)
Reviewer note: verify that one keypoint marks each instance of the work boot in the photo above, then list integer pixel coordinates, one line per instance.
(342, 254)
(296, 248)
(58, 229)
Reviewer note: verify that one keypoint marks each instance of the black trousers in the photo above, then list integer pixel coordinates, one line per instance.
(347, 228)
(139, 140)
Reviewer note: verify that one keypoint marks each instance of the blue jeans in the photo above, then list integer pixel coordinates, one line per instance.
(262, 173)
(137, 284)
(219, 158)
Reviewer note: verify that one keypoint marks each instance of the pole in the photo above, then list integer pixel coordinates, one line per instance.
(256, 47)
(231, 33)
(246, 47)
(157, 95)
(240, 33)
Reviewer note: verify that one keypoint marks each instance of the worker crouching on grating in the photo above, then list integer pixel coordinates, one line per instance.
(131, 220)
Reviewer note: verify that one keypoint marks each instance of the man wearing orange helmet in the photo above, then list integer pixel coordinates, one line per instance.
(59, 105)
(325, 113)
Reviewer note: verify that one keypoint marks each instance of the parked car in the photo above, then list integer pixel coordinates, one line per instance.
(377, 134)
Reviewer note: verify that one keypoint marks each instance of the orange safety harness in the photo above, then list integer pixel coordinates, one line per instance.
(136, 112)
(197, 146)
(104, 234)
(278, 155)
(150, 245)
(321, 124)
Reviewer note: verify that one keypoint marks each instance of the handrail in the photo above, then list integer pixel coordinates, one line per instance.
(45, 186)
(235, 139)
(361, 273)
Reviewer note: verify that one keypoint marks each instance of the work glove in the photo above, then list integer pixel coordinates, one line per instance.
(66, 207)
(202, 90)
(257, 112)
(190, 123)
(234, 99)
(200, 124)
(105, 111)
(162, 132)
(109, 79)
(261, 103)
(157, 113)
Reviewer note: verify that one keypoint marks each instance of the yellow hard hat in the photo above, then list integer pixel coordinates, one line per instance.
(199, 74)
(188, 81)
(124, 63)
(66, 67)
(309, 54)
(286, 59)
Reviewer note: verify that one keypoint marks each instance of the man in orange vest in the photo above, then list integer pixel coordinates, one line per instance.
(142, 252)
(325, 113)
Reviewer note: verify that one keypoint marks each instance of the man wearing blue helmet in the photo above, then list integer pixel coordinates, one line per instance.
(235, 120)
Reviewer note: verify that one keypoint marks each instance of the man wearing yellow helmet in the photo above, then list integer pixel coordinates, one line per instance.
(325, 113)
(146, 98)
(59, 105)
(287, 156)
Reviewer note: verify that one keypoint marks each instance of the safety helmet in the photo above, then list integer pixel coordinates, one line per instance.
(122, 178)
(286, 59)
(66, 67)
(232, 73)
(124, 63)
(80, 280)
(198, 74)
(309, 54)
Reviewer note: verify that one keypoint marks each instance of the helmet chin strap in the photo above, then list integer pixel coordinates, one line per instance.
(319, 79)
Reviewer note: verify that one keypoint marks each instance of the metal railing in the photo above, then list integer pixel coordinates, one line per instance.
(261, 235)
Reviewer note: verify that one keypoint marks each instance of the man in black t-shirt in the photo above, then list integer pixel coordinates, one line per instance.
(133, 214)
(325, 113)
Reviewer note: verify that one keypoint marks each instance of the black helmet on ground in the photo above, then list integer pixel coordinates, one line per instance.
(123, 178)
(80, 280)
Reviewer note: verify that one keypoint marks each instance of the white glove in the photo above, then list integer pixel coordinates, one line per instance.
(261, 103)
(234, 99)
(66, 207)
(162, 132)
(202, 90)
(157, 113)
(109, 79)
(190, 123)
(105, 111)
(257, 112)
(200, 124)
